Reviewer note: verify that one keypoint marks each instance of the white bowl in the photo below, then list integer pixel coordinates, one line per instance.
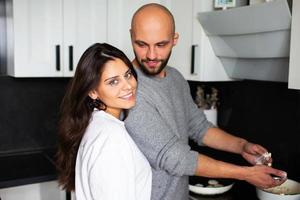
(209, 186)
(209, 190)
(289, 190)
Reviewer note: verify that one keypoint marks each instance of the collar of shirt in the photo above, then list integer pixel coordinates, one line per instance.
(107, 115)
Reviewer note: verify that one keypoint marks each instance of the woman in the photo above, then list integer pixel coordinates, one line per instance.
(96, 157)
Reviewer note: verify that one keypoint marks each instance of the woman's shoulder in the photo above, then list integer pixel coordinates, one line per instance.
(102, 126)
(99, 117)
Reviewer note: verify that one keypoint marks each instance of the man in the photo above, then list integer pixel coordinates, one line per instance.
(165, 117)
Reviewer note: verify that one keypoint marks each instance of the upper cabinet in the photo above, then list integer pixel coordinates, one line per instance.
(47, 37)
(193, 55)
(294, 69)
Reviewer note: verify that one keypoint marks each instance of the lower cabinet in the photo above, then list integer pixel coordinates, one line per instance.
(39, 191)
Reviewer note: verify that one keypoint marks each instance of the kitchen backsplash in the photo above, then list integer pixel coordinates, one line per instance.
(29, 112)
(263, 112)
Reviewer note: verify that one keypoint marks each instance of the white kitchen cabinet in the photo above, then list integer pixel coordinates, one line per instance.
(294, 66)
(85, 23)
(181, 53)
(193, 56)
(39, 191)
(47, 37)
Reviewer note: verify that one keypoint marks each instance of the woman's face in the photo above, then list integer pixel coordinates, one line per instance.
(117, 87)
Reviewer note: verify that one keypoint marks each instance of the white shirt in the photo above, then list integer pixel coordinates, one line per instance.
(109, 165)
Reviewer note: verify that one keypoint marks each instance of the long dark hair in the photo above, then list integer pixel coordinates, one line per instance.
(77, 107)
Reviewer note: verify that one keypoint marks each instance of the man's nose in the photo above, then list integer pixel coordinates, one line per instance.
(151, 53)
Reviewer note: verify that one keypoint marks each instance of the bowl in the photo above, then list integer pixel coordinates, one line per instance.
(209, 186)
(289, 190)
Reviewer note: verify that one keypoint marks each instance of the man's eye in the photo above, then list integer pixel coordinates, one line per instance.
(141, 44)
(161, 44)
(113, 82)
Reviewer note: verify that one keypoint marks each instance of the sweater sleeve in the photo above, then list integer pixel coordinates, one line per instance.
(160, 145)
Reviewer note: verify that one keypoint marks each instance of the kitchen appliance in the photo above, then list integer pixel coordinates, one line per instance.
(252, 42)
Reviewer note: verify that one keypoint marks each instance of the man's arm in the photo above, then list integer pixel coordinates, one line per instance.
(219, 139)
(258, 175)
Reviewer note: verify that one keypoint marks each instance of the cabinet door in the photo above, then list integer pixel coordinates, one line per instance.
(181, 53)
(193, 56)
(85, 23)
(208, 66)
(34, 32)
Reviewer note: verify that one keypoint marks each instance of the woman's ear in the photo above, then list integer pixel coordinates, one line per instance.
(93, 94)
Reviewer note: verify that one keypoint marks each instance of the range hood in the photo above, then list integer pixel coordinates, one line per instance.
(252, 42)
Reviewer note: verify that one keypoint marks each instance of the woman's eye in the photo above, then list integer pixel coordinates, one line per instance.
(113, 82)
(128, 75)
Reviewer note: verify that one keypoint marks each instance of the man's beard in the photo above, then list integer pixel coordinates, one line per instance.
(152, 73)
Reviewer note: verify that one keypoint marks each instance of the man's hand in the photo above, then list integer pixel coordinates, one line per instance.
(261, 176)
(251, 152)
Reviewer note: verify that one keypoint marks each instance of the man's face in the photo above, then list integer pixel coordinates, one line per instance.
(152, 43)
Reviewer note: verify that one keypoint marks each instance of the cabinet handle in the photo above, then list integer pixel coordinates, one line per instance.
(71, 58)
(57, 56)
(193, 59)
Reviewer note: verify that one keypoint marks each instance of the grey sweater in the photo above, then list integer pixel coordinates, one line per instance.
(161, 123)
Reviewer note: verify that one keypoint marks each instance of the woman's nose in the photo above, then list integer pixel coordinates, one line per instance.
(127, 85)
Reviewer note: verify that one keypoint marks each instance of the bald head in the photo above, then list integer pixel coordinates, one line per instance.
(153, 12)
(153, 37)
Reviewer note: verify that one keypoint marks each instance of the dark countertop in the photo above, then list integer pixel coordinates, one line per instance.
(27, 168)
